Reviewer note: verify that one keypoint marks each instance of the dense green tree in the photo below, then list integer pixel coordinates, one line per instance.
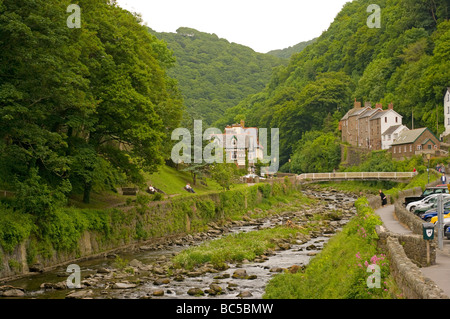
(214, 74)
(405, 61)
(78, 105)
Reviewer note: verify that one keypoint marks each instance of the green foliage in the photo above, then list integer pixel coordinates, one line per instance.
(224, 174)
(406, 62)
(14, 228)
(290, 51)
(316, 152)
(87, 107)
(214, 74)
(232, 248)
(339, 271)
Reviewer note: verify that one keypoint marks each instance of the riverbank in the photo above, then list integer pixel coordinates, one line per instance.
(283, 237)
(340, 270)
(29, 245)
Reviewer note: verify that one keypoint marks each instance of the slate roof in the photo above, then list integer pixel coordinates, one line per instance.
(391, 130)
(409, 137)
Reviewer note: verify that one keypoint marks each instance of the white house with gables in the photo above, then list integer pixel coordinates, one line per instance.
(241, 145)
(447, 112)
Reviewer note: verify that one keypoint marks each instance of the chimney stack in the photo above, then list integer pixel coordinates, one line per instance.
(357, 104)
(391, 106)
(379, 106)
(243, 123)
(367, 104)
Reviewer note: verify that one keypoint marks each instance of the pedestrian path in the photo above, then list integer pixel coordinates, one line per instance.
(440, 272)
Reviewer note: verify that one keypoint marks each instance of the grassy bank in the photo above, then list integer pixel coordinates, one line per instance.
(237, 247)
(59, 235)
(340, 270)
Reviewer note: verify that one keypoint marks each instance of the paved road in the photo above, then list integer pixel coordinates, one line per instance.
(439, 273)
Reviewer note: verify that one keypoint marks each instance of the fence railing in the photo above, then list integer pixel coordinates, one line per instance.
(357, 176)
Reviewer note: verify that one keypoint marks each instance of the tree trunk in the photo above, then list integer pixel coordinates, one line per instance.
(87, 193)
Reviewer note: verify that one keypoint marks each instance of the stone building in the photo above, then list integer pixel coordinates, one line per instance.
(363, 126)
(415, 142)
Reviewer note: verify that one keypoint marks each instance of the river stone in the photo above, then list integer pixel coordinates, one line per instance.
(240, 274)
(38, 267)
(123, 285)
(14, 292)
(195, 292)
(194, 274)
(80, 294)
(158, 293)
(245, 294)
(103, 270)
(276, 269)
(161, 281)
(158, 271)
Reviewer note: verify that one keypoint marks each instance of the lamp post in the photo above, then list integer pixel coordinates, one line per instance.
(428, 169)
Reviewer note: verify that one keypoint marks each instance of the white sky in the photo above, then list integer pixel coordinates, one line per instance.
(262, 25)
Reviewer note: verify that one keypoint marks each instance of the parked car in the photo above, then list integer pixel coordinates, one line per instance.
(433, 207)
(424, 203)
(435, 218)
(429, 214)
(428, 191)
(447, 228)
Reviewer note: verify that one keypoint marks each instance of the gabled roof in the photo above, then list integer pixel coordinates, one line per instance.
(391, 130)
(369, 113)
(410, 136)
(383, 113)
(355, 111)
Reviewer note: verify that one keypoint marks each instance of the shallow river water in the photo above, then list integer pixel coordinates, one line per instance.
(143, 284)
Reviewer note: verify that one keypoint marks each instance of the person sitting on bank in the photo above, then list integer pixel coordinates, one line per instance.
(189, 188)
(151, 189)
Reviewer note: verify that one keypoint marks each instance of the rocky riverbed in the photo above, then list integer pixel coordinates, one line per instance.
(150, 273)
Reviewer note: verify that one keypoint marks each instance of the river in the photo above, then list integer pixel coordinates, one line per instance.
(151, 275)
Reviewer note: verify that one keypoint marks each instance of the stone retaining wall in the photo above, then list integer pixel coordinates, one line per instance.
(408, 252)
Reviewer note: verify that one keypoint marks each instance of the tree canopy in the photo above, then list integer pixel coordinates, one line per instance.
(81, 106)
(406, 61)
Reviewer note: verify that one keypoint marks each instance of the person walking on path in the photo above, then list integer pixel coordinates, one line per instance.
(383, 199)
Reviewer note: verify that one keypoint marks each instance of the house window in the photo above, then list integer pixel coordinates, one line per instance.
(419, 147)
(429, 146)
(435, 147)
(389, 137)
(448, 108)
(410, 148)
(395, 149)
(399, 149)
(385, 120)
(396, 119)
(449, 121)
(405, 148)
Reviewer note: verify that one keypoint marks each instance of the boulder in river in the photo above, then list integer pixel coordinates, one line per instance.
(123, 285)
(240, 274)
(10, 291)
(195, 292)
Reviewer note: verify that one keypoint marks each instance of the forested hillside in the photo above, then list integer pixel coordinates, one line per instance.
(290, 51)
(214, 74)
(406, 61)
(80, 108)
